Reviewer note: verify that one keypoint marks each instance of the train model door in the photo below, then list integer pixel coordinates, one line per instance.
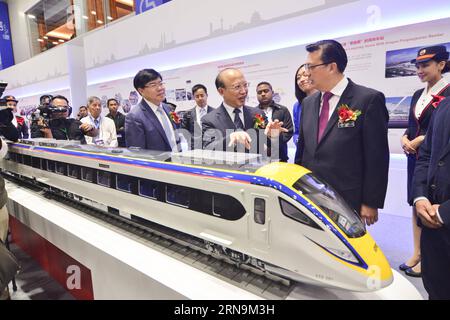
(259, 223)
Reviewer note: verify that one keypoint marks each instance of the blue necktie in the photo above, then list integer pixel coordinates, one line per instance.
(167, 127)
(237, 120)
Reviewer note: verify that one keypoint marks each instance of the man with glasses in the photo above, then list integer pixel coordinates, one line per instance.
(343, 132)
(227, 128)
(149, 125)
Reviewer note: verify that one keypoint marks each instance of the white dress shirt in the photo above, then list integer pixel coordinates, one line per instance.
(337, 92)
(426, 97)
(154, 108)
(106, 136)
(231, 113)
(197, 112)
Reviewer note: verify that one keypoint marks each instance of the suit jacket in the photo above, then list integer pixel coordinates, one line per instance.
(219, 121)
(143, 129)
(354, 160)
(282, 113)
(107, 132)
(189, 123)
(432, 172)
(418, 127)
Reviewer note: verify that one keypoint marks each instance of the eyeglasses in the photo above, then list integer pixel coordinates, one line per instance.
(239, 87)
(309, 67)
(155, 85)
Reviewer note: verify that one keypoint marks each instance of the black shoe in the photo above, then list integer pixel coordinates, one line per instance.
(404, 267)
(411, 273)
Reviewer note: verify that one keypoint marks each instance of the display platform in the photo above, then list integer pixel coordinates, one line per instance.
(94, 260)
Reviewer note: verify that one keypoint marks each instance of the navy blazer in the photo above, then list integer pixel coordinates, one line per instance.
(432, 173)
(190, 124)
(143, 129)
(220, 120)
(353, 160)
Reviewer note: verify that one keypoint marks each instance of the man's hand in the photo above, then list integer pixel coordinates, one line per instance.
(369, 215)
(427, 213)
(274, 128)
(47, 132)
(240, 137)
(416, 142)
(88, 130)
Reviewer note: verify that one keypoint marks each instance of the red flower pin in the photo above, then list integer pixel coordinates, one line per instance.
(174, 117)
(436, 100)
(259, 122)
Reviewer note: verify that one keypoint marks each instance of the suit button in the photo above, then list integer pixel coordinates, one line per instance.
(441, 163)
(433, 186)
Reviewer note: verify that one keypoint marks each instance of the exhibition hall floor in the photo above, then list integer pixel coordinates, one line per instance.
(392, 233)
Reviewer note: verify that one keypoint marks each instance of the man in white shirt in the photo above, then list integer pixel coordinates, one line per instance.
(99, 129)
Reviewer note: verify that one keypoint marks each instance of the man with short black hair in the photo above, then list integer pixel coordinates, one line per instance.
(343, 132)
(151, 124)
(275, 111)
(118, 118)
(192, 119)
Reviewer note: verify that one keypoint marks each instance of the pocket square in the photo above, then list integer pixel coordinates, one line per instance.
(349, 124)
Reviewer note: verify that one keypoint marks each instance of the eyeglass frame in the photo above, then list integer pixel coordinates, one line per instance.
(309, 67)
(238, 87)
(155, 85)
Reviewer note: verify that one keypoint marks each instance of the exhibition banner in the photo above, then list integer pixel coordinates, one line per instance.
(6, 51)
(145, 5)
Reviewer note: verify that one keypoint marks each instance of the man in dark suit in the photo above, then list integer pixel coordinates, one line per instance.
(275, 111)
(231, 126)
(192, 119)
(150, 125)
(344, 132)
(431, 195)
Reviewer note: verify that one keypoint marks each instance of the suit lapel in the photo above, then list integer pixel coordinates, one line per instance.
(346, 98)
(315, 120)
(248, 118)
(151, 116)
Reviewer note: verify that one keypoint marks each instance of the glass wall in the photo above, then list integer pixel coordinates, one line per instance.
(53, 22)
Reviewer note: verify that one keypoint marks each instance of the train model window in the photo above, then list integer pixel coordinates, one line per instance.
(295, 213)
(43, 164)
(51, 165)
(19, 158)
(26, 160)
(178, 195)
(61, 168)
(36, 162)
(104, 178)
(88, 174)
(227, 207)
(148, 188)
(12, 156)
(126, 183)
(74, 171)
(260, 211)
(201, 201)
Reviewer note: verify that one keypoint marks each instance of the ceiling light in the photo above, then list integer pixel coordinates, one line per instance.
(54, 42)
(85, 17)
(31, 16)
(94, 13)
(40, 40)
(110, 18)
(99, 21)
(61, 40)
(45, 37)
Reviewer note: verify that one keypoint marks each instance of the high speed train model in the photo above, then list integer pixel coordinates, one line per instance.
(275, 217)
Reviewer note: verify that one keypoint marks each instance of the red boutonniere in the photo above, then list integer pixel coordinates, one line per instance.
(174, 117)
(259, 122)
(437, 100)
(346, 114)
(20, 120)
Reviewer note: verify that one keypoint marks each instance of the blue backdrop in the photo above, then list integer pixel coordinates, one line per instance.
(6, 51)
(144, 5)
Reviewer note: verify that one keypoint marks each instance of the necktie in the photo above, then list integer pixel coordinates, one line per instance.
(237, 120)
(201, 114)
(324, 113)
(96, 123)
(167, 127)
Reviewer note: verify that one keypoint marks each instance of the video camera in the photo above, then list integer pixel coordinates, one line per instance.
(44, 113)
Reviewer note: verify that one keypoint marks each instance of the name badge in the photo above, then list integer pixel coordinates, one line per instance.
(350, 124)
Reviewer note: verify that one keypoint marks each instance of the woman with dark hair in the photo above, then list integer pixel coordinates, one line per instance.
(431, 63)
(303, 89)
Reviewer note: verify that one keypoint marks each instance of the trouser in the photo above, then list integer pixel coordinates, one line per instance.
(3, 223)
(435, 258)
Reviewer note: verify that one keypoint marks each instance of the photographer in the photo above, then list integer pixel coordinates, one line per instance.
(10, 132)
(53, 122)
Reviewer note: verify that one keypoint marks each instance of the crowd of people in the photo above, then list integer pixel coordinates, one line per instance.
(340, 129)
